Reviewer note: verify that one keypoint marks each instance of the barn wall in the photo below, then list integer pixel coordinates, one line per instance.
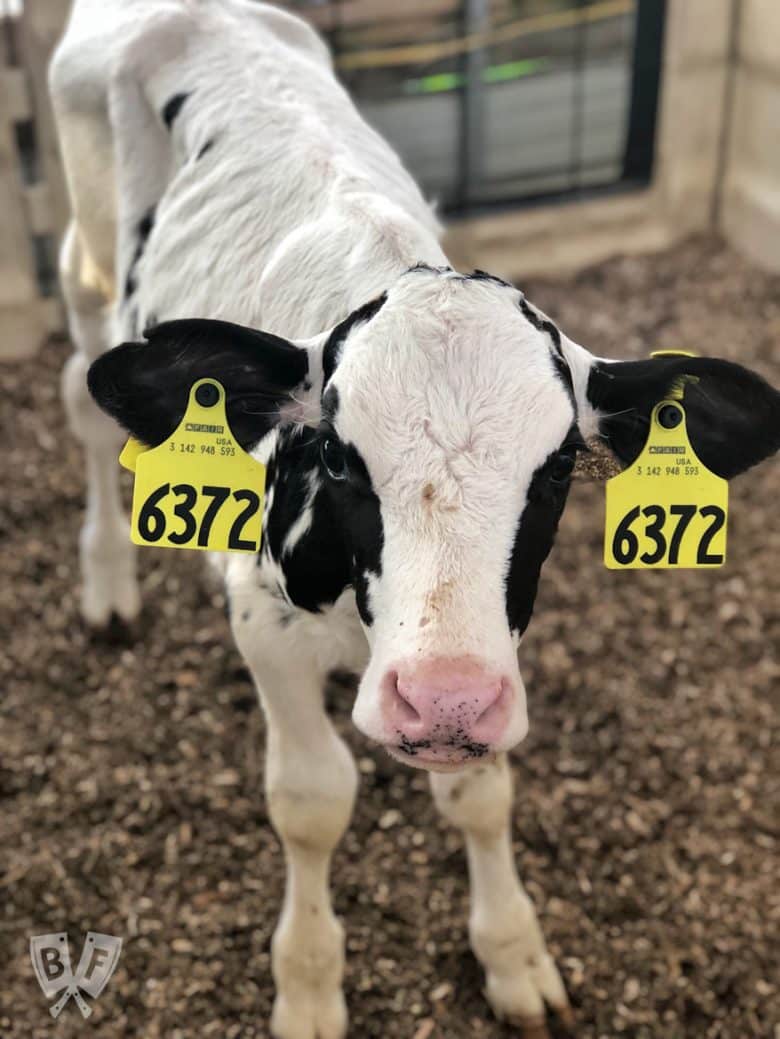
(750, 206)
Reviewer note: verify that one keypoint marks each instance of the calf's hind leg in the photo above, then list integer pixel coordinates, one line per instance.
(310, 781)
(505, 934)
(109, 583)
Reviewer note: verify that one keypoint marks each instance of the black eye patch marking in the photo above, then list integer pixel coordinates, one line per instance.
(343, 543)
(172, 107)
(342, 462)
(358, 513)
(316, 571)
(332, 348)
(536, 529)
(333, 457)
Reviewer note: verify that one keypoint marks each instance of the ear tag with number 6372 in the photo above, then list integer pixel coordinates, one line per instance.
(667, 510)
(199, 488)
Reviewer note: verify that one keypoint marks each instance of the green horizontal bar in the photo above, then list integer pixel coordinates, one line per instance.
(443, 82)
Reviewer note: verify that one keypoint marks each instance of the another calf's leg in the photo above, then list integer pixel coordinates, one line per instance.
(109, 583)
(505, 934)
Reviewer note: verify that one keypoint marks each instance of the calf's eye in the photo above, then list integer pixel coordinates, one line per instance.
(333, 458)
(563, 466)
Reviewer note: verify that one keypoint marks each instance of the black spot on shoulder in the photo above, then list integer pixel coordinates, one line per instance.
(145, 224)
(143, 230)
(206, 148)
(172, 107)
(332, 349)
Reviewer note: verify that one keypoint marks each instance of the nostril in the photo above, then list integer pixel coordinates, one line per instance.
(405, 711)
(400, 714)
(490, 722)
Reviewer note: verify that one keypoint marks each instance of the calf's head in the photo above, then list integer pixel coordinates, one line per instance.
(448, 414)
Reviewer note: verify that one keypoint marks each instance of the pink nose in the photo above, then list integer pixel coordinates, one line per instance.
(454, 703)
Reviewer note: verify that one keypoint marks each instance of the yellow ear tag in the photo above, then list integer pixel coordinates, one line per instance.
(130, 452)
(667, 510)
(199, 488)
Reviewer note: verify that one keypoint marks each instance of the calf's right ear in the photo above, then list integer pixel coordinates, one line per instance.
(145, 386)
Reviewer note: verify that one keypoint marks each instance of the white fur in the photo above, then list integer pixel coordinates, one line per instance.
(298, 214)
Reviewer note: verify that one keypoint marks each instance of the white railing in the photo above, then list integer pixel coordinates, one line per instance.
(33, 207)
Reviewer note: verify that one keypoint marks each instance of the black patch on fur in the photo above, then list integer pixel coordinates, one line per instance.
(543, 324)
(316, 570)
(206, 148)
(428, 269)
(145, 386)
(732, 414)
(330, 404)
(343, 544)
(143, 230)
(540, 323)
(172, 107)
(475, 275)
(478, 275)
(332, 349)
(361, 518)
(533, 540)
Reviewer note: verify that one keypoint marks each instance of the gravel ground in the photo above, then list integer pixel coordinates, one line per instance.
(130, 775)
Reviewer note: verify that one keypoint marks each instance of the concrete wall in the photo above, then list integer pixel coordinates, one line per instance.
(749, 211)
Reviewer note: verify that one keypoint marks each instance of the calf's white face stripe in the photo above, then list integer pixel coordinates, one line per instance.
(452, 400)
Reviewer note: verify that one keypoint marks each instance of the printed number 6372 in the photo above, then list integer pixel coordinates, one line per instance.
(152, 521)
(658, 526)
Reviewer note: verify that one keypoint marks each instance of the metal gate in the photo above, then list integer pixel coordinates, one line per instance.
(501, 102)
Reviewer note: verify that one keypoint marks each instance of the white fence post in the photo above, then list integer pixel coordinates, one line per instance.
(32, 194)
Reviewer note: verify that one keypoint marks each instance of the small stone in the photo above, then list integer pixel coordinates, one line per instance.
(389, 818)
(441, 992)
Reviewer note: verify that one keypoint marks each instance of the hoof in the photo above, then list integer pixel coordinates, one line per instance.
(116, 631)
(533, 1029)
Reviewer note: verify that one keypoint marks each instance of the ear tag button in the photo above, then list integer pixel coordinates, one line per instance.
(199, 488)
(667, 510)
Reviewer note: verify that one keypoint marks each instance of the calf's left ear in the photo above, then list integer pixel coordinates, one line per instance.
(732, 414)
(145, 386)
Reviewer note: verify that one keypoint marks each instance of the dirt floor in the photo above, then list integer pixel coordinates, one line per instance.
(131, 799)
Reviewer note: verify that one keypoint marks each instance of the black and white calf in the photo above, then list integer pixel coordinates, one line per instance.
(419, 426)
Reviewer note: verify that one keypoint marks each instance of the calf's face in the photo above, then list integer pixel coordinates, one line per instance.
(448, 414)
(448, 434)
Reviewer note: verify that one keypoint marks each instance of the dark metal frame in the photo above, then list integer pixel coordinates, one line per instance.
(645, 88)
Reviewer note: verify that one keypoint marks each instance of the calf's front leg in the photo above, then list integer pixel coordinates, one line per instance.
(311, 781)
(505, 934)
